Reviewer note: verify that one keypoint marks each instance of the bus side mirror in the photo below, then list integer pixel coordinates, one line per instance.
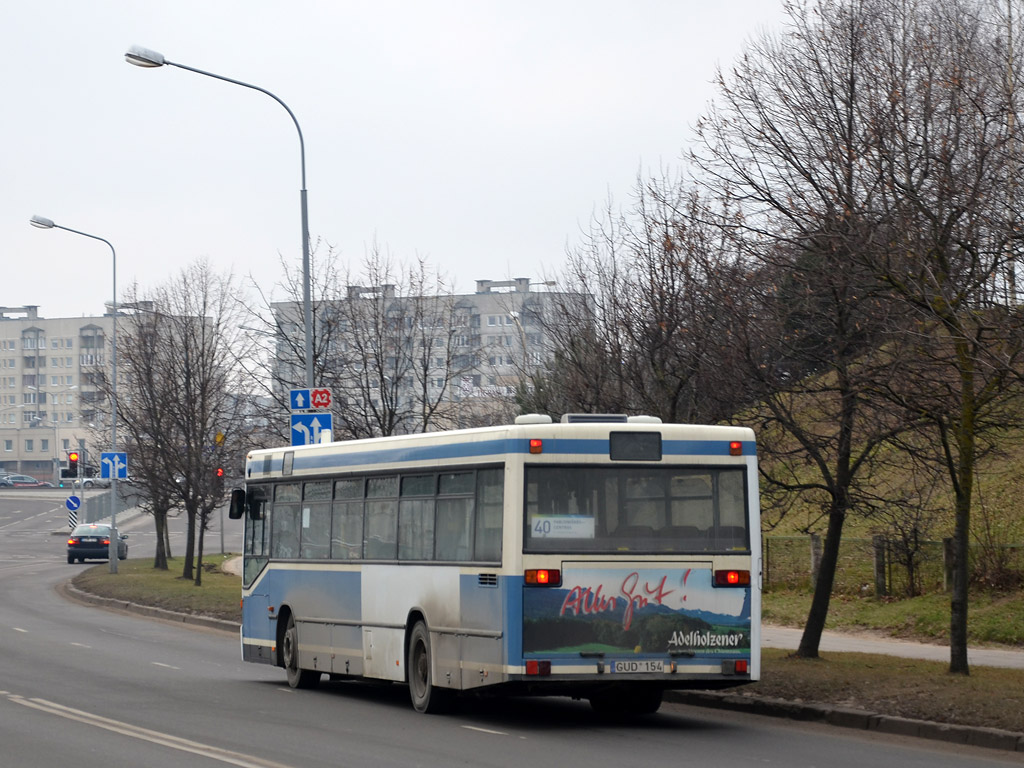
(237, 508)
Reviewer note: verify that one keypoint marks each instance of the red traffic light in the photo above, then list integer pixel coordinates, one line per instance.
(73, 456)
(220, 471)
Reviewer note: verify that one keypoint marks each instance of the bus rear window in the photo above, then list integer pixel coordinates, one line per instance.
(651, 509)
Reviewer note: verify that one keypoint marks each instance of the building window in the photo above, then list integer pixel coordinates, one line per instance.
(9, 446)
(29, 446)
(44, 446)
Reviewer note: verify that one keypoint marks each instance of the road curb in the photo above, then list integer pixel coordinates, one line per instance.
(843, 717)
(81, 596)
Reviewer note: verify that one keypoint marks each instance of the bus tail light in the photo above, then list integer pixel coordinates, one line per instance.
(543, 577)
(539, 668)
(735, 448)
(735, 667)
(536, 446)
(732, 578)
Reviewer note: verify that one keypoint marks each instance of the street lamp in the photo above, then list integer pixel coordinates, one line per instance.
(143, 57)
(44, 223)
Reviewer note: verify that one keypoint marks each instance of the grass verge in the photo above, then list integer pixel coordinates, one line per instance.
(991, 618)
(138, 582)
(923, 690)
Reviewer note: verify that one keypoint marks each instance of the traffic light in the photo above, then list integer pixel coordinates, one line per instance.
(219, 472)
(73, 463)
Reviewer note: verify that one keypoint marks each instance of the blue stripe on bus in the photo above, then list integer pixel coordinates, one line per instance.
(497, 448)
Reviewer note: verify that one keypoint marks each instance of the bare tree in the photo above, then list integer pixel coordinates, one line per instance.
(946, 152)
(785, 144)
(184, 400)
(642, 323)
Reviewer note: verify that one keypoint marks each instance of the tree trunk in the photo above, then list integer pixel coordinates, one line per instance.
(190, 545)
(199, 556)
(160, 556)
(811, 638)
(965, 440)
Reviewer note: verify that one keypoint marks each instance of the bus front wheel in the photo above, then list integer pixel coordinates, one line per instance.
(297, 678)
(425, 696)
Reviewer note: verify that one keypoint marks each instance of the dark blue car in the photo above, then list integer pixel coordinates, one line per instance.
(92, 541)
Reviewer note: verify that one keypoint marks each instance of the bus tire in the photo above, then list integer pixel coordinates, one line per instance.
(297, 678)
(425, 696)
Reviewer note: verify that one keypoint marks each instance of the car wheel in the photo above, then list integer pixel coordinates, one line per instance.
(71, 559)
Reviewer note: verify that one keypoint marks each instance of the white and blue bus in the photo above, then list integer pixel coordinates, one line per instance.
(603, 557)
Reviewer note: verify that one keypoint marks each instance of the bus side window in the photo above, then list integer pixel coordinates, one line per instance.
(454, 529)
(490, 500)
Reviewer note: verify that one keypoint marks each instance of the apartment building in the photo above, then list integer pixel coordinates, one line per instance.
(466, 352)
(53, 373)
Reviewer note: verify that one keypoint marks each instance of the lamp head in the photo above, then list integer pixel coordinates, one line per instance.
(42, 222)
(143, 57)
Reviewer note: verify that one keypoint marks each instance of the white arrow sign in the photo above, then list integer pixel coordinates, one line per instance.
(114, 465)
(311, 428)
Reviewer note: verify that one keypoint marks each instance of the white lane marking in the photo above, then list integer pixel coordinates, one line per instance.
(161, 664)
(484, 730)
(81, 645)
(145, 734)
(19, 629)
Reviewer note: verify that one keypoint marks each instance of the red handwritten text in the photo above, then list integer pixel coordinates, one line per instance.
(587, 601)
(646, 595)
(583, 600)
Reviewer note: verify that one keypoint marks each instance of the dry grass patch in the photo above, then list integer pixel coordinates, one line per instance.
(138, 582)
(923, 690)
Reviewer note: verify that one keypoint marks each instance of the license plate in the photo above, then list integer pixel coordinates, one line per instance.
(643, 665)
(90, 539)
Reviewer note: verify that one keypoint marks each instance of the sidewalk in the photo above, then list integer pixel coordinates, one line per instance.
(842, 642)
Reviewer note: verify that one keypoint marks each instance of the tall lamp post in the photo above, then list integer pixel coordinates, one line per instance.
(44, 223)
(143, 57)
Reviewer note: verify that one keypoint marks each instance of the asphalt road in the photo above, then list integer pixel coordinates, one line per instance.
(88, 687)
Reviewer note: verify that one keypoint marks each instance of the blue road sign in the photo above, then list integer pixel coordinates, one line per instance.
(114, 465)
(298, 399)
(308, 428)
(73, 503)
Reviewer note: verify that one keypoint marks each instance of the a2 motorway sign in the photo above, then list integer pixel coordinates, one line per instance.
(309, 422)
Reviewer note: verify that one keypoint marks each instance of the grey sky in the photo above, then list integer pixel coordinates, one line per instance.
(478, 135)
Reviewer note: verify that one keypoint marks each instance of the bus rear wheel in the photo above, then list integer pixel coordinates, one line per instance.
(297, 678)
(425, 696)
